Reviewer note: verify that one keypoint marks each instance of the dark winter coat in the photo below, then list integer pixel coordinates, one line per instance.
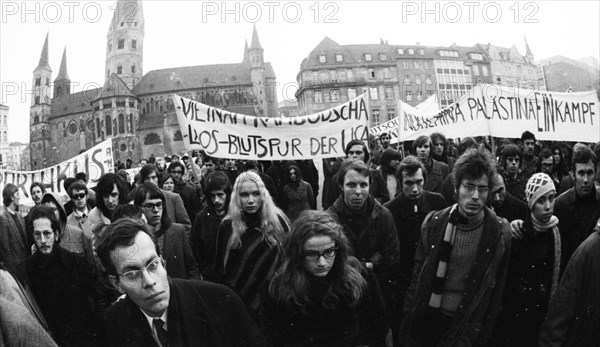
(474, 320)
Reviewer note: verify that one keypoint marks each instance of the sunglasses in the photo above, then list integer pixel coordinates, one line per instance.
(78, 196)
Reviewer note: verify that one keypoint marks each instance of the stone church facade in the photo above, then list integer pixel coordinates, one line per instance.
(134, 109)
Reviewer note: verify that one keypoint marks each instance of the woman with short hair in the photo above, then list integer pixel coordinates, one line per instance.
(320, 295)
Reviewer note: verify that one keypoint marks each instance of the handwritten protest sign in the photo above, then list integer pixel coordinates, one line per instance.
(230, 135)
(94, 162)
(507, 112)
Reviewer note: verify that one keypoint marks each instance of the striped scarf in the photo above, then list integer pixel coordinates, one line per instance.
(455, 218)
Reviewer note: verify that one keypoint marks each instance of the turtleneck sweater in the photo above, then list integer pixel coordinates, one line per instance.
(464, 252)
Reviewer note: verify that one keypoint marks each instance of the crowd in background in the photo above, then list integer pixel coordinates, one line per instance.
(478, 241)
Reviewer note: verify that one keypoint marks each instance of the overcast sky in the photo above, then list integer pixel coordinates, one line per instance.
(184, 33)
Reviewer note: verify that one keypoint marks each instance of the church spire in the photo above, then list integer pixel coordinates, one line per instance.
(62, 83)
(528, 53)
(246, 58)
(44, 61)
(255, 42)
(128, 14)
(62, 73)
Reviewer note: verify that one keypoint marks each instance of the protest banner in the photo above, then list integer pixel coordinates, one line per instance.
(225, 134)
(507, 112)
(94, 162)
(428, 106)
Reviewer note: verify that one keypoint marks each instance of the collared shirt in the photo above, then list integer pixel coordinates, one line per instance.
(78, 214)
(150, 321)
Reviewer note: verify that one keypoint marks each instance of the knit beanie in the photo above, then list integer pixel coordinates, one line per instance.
(538, 185)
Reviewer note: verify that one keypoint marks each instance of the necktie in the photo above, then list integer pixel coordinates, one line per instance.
(83, 216)
(161, 333)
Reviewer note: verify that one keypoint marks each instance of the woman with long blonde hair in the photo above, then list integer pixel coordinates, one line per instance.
(321, 295)
(249, 240)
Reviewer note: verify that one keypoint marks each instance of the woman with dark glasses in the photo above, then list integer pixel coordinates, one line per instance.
(320, 295)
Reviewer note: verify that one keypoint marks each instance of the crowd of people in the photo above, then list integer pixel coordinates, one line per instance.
(484, 241)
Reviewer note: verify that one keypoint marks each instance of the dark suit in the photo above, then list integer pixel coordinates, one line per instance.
(176, 210)
(199, 314)
(178, 254)
(15, 244)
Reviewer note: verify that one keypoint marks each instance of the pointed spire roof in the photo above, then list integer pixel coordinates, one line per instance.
(246, 58)
(255, 42)
(527, 49)
(62, 74)
(44, 61)
(129, 13)
(326, 44)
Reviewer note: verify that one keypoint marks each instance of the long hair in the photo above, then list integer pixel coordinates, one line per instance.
(271, 216)
(290, 284)
(105, 186)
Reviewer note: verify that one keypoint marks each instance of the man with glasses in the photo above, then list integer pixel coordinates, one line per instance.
(460, 264)
(173, 202)
(189, 193)
(515, 182)
(65, 285)
(79, 217)
(163, 311)
(171, 237)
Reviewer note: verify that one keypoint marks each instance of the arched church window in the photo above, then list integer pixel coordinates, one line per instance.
(119, 69)
(121, 124)
(108, 125)
(36, 119)
(134, 44)
(73, 128)
(121, 44)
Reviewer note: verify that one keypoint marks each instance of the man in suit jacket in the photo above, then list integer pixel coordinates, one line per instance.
(13, 237)
(172, 241)
(160, 311)
(174, 203)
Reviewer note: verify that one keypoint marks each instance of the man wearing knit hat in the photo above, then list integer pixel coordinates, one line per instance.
(533, 269)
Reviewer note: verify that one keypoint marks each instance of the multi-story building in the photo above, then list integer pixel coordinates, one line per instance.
(333, 74)
(134, 109)
(10, 152)
(510, 68)
(3, 132)
(288, 108)
(560, 74)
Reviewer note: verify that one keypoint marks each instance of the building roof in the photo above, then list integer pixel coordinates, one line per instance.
(255, 41)
(355, 54)
(44, 61)
(113, 87)
(74, 103)
(193, 77)
(511, 54)
(127, 13)
(62, 73)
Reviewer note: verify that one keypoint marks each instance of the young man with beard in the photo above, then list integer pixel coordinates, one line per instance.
(409, 209)
(36, 191)
(578, 208)
(163, 311)
(174, 204)
(64, 285)
(171, 238)
(369, 227)
(460, 264)
(203, 238)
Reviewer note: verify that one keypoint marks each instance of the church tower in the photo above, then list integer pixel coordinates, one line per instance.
(39, 111)
(62, 83)
(528, 54)
(257, 75)
(125, 43)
